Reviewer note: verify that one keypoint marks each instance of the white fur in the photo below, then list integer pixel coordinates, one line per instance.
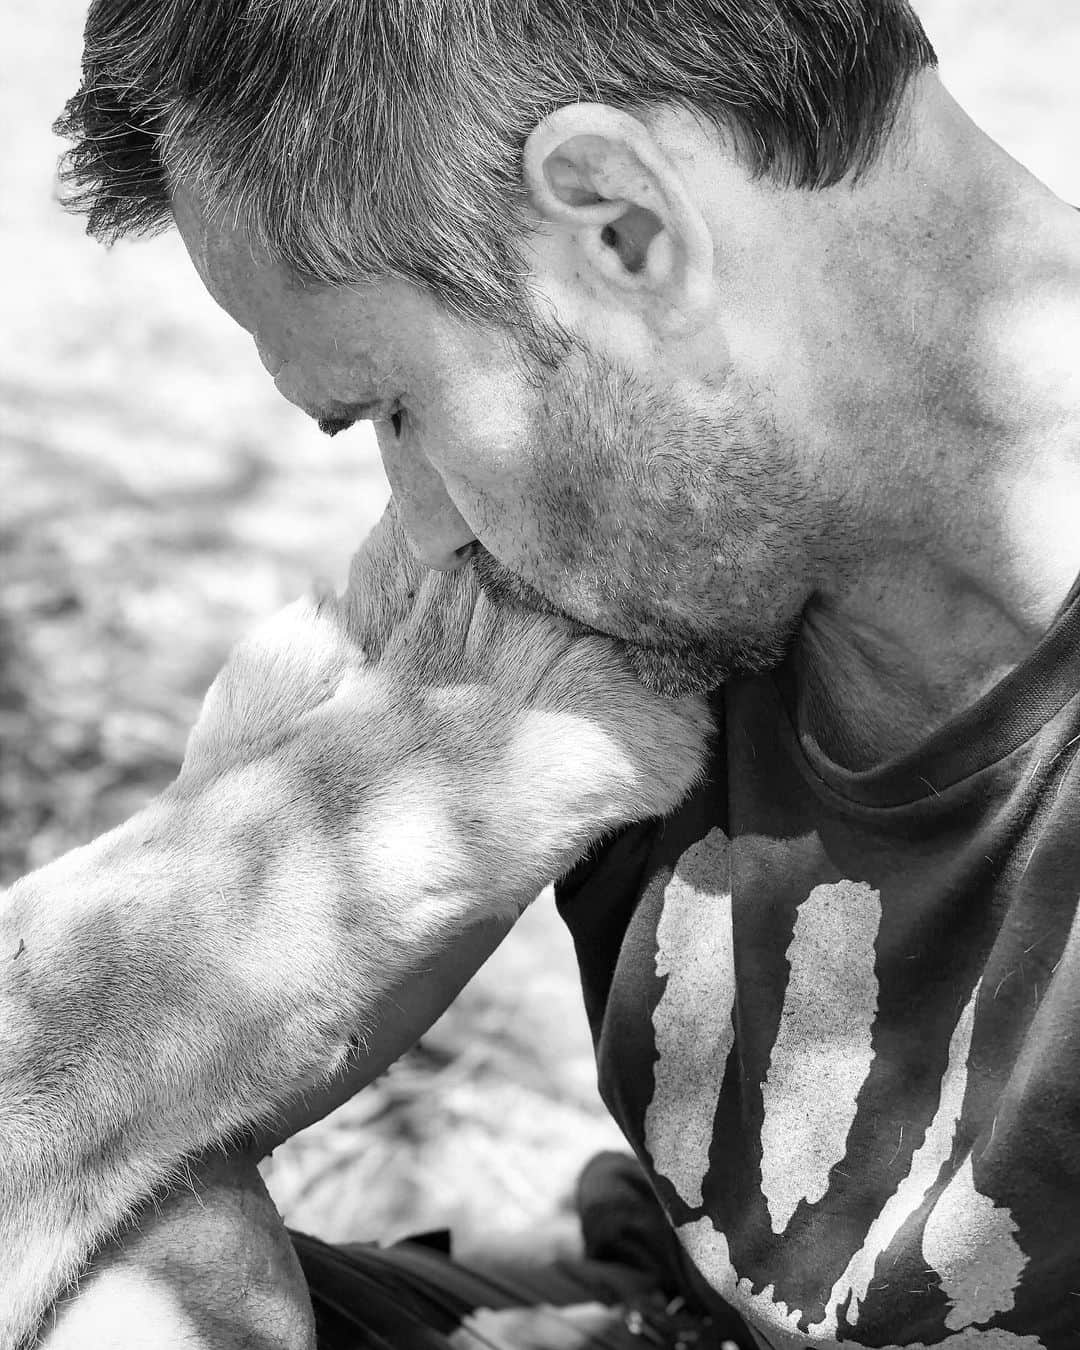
(367, 776)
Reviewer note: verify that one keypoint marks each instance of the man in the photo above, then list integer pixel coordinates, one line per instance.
(761, 362)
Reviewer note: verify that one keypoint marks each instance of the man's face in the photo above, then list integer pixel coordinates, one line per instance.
(654, 506)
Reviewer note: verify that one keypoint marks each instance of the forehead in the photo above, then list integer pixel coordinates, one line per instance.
(286, 316)
(333, 345)
(241, 279)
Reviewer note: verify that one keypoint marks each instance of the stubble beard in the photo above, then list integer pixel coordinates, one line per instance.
(772, 536)
(711, 642)
(677, 669)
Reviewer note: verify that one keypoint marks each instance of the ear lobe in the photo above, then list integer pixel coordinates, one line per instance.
(599, 170)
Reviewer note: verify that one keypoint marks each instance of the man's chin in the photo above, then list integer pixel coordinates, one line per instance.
(676, 671)
(500, 585)
(674, 674)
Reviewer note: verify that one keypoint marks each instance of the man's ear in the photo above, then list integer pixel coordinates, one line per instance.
(600, 173)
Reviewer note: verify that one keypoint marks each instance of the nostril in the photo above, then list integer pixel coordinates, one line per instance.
(445, 559)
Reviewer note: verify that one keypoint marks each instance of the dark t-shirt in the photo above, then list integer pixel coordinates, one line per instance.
(837, 1015)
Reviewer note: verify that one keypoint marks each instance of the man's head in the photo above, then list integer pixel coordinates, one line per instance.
(494, 227)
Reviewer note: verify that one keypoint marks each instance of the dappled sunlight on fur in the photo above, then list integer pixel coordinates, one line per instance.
(371, 774)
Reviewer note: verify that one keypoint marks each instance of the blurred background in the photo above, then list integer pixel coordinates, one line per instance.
(157, 497)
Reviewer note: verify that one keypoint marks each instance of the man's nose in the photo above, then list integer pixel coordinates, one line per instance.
(438, 534)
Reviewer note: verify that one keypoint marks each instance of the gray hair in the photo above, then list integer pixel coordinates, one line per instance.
(359, 140)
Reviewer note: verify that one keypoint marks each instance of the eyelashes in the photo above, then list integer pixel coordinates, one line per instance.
(330, 426)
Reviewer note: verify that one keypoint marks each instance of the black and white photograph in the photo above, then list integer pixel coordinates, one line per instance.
(540, 675)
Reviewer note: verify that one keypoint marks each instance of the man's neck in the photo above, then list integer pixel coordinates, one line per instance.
(882, 672)
(951, 286)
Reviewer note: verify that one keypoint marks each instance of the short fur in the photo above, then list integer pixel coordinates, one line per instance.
(369, 774)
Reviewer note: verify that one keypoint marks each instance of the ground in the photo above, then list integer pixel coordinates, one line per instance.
(158, 497)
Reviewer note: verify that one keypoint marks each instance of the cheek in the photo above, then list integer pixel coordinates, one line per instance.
(489, 472)
(561, 506)
(623, 501)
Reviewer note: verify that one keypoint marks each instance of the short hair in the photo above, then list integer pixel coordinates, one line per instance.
(358, 140)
